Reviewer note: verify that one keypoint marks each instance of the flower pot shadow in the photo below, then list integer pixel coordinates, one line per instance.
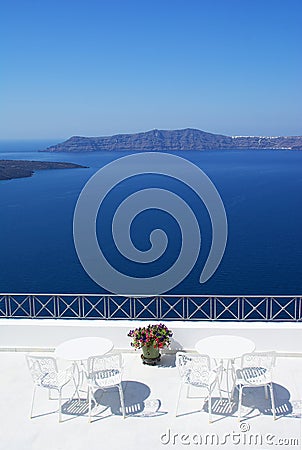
(167, 360)
(175, 345)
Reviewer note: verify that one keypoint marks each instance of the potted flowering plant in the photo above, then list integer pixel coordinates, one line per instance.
(150, 339)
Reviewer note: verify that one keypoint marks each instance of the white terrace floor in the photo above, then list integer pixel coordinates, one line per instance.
(150, 397)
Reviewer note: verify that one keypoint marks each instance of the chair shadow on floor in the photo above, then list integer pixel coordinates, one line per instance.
(254, 404)
(221, 408)
(107, 403)
(254, 400)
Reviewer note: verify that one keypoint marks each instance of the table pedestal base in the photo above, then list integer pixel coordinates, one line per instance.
(227, 377)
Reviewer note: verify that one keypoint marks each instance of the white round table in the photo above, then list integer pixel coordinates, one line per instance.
(81, 349)
(225, 346)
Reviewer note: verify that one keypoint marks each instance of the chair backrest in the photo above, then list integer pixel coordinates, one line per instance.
(39, 366)
(193, 368)
(265, 360)
(106, 369)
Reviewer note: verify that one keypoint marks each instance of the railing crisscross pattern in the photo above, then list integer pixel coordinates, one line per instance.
(165, 307)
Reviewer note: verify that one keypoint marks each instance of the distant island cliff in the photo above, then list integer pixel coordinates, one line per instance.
(173, 140)
(10, 169)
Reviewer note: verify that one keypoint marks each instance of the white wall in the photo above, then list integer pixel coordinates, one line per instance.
(35, 334)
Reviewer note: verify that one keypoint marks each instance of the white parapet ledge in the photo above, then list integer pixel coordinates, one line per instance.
(46, 334)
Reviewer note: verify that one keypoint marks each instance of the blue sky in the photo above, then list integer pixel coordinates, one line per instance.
(99, 67)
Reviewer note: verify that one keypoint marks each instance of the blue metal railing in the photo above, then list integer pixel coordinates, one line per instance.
(164, 307)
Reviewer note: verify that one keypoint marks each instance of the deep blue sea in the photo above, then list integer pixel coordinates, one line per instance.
(261, 191)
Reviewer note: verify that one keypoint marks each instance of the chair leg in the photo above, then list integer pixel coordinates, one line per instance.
(50, 396)
(210, 406)
(32, 402)
(122, 399)
(76, 389)
(219, 388)
(89, 404)
(60, 405)
(233, 392)
(178, 398)
(240, 402)
(233, 374)
(273, 401)
(188, 391)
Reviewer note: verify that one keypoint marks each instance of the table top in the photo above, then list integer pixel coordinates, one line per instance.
(225, 346)
(82, 348)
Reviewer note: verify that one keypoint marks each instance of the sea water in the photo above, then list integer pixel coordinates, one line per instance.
(261, 192)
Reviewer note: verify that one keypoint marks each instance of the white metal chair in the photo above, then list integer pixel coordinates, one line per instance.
(104, 372)
(256, 371)
(195, 370)
(45, 374)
